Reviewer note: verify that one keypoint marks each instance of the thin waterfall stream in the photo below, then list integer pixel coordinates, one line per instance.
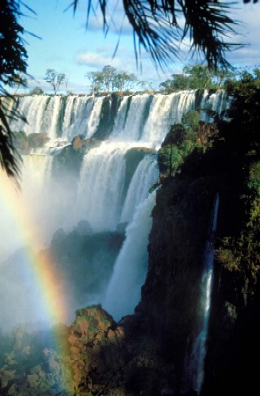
(195, 369)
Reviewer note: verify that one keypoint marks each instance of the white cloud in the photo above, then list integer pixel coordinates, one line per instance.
(97, 60)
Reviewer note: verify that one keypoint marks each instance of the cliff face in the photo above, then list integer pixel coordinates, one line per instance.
(170, 295)
(233, 344)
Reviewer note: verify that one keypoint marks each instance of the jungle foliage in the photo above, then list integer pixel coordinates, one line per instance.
(229, 156)
(178, 144)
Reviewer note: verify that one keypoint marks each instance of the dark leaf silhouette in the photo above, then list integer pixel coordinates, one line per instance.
(13, 65)
(158, 28)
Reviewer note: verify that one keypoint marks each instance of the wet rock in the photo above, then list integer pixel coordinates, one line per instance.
(21, 142)
(59, 235)
(37, 140)
(84, 228)
(77, 142)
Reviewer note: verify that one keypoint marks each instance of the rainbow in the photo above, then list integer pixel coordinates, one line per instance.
(40, 264)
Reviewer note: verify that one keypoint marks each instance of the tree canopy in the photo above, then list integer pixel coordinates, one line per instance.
(200, 76)
(109, 79)
(55, 79)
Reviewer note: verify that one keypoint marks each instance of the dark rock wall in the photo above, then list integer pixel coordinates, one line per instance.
(233, 341)
(170, 295)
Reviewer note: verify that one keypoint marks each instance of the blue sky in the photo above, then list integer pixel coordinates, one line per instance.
(68, 47)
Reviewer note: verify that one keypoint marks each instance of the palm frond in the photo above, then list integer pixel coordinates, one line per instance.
(13, 66)
(10, 159)
(155, 26)
(207, 24)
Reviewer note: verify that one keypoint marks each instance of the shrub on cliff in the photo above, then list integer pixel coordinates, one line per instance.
(178, 144)
(238, 148)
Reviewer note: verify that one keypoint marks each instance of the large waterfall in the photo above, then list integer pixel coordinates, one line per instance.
(124, 290)
(144, 118)
(111, 186)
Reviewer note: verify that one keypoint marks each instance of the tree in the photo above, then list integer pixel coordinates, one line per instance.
(110, 80)
(55, 79)
(109, 74)
(199, 76)
(170, 156)
(124, 81)
(178, 82)
(96, 80)
(180, 141)
(37, 91)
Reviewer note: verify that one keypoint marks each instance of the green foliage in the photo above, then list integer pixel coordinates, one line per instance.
(178, 83)
(238, 147)
(247, 79)
(191, 120)
(34, 366)
(199, 76)
(178, 144)
(37, 91)
(254, 178)
(109, 79)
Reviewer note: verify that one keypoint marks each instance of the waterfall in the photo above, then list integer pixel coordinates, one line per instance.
(134, 121)
(108, 187)
(144, 118)
(165, 111)
(124, 290)
(144, 177)
(196, 363)
(101, 185)
(218, 102)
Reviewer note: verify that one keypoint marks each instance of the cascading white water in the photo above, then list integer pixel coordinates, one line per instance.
(120, 118)
(124, 290)
(101, 186)
(133, 128)
(195, 367)
(145, 176)
(76, 112)
(98, 197)
(144, 118)
(165, 111)
(216, 102)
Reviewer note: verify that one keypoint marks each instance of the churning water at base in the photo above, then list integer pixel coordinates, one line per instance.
(124, 290)
(195, 369)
